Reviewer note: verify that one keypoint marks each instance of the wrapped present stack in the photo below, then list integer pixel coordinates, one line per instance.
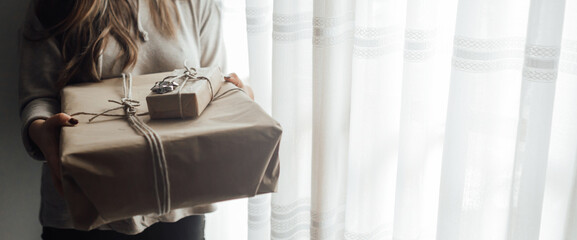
(110, 173)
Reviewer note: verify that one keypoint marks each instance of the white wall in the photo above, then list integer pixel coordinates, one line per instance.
(19, 174)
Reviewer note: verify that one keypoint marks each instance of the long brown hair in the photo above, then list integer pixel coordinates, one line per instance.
(82, 28)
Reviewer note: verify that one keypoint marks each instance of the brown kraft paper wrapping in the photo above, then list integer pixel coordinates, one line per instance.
(189, 99)
(229, 152)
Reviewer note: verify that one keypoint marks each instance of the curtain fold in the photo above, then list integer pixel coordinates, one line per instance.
(542, 52)
(292, 105)
(481, 124)
(374, 119)
(332, 57)
(413, 119)
(560, 196)
(259, 30)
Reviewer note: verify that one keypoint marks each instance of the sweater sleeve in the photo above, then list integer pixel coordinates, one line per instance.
(40, 61)
(211, 38)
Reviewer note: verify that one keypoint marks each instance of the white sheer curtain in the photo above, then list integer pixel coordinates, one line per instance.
(453, 119)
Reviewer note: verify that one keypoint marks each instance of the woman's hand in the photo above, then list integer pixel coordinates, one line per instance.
(46, 135)
(234, 79)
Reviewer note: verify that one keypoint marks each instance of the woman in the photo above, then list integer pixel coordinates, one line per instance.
(69, 41)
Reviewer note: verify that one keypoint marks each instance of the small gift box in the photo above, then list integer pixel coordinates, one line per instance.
(185, 93)
(123, 164)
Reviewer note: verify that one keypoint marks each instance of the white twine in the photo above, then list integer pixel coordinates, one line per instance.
(160, 166)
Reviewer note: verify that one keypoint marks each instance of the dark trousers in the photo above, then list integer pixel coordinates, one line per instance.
(188, 228)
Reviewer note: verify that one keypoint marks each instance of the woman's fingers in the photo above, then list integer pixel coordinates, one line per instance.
(59, 120)
(234, 79)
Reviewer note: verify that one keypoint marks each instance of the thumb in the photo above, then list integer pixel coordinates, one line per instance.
(59, 120)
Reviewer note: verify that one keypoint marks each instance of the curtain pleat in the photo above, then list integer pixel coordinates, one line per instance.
(292, 107)
(332, 58)
(542, 52)
(559, 218)
(481, 123)
(374, 119)
(259, 30)
(419, 158)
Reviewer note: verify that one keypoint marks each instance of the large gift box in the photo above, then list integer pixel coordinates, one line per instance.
(109, 172)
